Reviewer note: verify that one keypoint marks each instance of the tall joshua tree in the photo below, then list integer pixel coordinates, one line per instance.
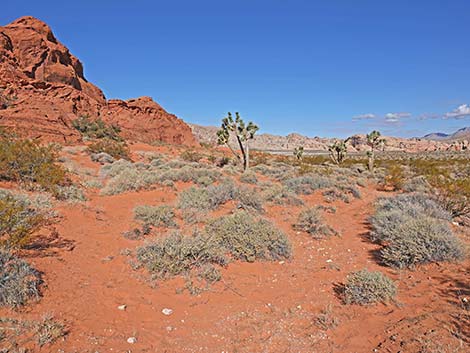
(338, 151)
(374, 141)
(299, 153)
(243, 133)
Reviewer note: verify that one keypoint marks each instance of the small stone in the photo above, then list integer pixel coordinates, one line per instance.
(132, 340)
(167, 311)
(122, 307)
(329, 260)
(281, 262)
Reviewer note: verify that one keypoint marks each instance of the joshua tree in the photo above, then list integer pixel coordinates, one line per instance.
(243, 133)
(374, 141)
(299, 152)
(338, 151)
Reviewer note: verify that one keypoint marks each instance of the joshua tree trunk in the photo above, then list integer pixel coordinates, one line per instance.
(247, 161)
(244, 152)
(371, 156)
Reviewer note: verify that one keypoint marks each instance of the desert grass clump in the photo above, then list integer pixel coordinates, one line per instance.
(306, 184)
(311, 221)
(249, 239)
(29, 163)
(19, 282)
(157, 216)
(368, 287)
(177, 254)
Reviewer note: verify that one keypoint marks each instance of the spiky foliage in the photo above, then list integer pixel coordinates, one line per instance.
(374, 141)
(338, 151)
(299, 153)
(243, 133)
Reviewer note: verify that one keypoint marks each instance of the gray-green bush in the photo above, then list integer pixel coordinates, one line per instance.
(249, 239)
(368, 287)
(19, 282)
(157, 216)
(311, 221)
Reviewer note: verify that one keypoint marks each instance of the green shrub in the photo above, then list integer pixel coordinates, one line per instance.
(249, 239)
(311, 221)
(157, 216)
(177, 254)
(191, 156)
(19, 220)
(96, 129)
(19, 282)
(366, 287)
(116, 149)
(30, 163)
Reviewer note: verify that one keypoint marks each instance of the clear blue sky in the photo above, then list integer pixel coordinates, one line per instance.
(290, 65)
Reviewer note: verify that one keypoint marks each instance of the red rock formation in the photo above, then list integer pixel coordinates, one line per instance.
(43, 88)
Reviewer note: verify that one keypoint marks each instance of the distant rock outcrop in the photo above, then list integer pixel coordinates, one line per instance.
(43, 88)
(357, 143)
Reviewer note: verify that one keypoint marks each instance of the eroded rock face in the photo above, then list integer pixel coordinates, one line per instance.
(43, 89)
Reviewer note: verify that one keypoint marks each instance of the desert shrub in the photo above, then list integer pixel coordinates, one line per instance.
(277, 171)
(49, 330)
(249, 178)
(278, 194)
(130, 179)
(158, 216)
(420, 241)
(248, 199)
(368, 287)
(249, 239)
(414, 230)
(311, 221)
(116, 149)
(453, 194)
(417, 184)
(191, 156)
(28, 162)
(19, 282)
(177, 254)
(96, 129)
(333, 194)
(194, 198)
(394, 177)
(306, 184)
(70, 193)
(19, 219)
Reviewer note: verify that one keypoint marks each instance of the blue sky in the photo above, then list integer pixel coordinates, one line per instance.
(326, 68)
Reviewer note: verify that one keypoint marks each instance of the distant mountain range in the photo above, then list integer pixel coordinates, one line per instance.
(460, 134)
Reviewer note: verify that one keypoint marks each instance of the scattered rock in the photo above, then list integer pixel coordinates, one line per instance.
(122, 307)
(102, 158)
(132, 340)
(167, 311)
